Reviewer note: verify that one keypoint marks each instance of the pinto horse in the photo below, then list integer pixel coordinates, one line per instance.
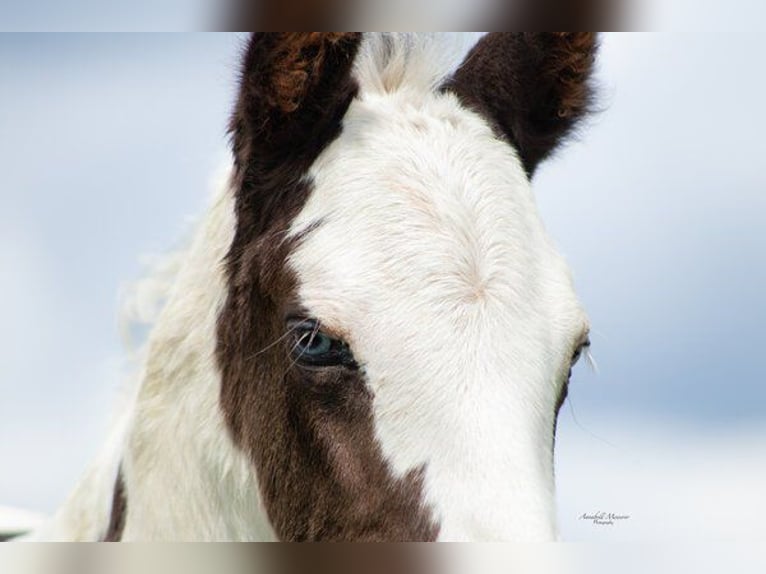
(371, 333)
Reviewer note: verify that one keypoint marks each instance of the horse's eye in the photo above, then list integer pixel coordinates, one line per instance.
(578, 353)
(313, 348)
(314, 344)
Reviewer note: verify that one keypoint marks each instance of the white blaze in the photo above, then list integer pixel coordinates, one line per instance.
(432, 260)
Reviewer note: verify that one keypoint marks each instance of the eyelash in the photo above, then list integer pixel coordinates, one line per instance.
(583, 348)
(312, 347)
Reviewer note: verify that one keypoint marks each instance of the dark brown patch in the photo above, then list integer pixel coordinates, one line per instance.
(533, 86)
(294, 90)
(308, 431)
(560, 398)
(119, 511)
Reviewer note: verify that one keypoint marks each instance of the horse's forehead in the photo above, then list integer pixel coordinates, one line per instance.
(419, 191)
(421, 165)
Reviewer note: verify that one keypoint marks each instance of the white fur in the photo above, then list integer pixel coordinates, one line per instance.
(432, 260)
(185, 477)
(394, 61)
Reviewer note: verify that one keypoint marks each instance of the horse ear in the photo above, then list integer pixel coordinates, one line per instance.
(293, 88)
(533, 86)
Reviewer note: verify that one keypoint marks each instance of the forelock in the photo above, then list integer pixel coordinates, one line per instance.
(391, 61)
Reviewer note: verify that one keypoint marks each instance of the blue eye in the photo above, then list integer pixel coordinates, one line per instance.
(314, 344)
(312, 347)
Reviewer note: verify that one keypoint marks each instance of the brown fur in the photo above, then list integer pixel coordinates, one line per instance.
(273, 111)
(119, 511)
(297, 66)
(534, 87)
(308, 431)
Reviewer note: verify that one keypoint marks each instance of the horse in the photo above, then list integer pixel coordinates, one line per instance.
(370, 334)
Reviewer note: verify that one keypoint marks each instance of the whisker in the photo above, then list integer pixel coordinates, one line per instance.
(570, 399)
(269, 346)
(585, 430)
(591, 361)
(296, 359)
(314, 333)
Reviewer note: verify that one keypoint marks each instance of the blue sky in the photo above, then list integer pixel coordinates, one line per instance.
(663, 226)
(107, 15)
(108, 145)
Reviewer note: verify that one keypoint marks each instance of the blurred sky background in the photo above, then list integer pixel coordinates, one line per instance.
(109, 143)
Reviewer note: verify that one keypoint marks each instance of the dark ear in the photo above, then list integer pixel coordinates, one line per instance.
(532, 86)
(294, 89)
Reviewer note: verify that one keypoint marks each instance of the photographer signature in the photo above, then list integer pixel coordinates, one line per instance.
(603, 518)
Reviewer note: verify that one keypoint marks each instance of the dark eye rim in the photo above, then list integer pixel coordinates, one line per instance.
(564, 391)
(582, 348)
(338, 355)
